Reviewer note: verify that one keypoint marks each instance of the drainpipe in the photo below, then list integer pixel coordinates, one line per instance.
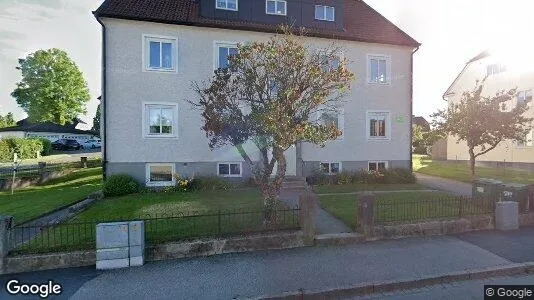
(104, 101)
(411, 107)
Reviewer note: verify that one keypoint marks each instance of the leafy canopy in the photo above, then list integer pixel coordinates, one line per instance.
(269, 94)
(52, 88)
(7, 120)
(484, 121)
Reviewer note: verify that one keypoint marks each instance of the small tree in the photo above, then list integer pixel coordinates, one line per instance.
(96, 120)
(483, 122)
(52, 88)
(7, 121)
(268, 95)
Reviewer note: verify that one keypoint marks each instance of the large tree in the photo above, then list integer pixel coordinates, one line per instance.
(52, 88)
(269, 95)
(483, 122)
(7, 120)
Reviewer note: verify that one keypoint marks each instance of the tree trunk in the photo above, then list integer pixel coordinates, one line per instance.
(472, 163)
(272, 190)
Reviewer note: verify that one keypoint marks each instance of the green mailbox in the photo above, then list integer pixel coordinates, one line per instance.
(487, 189)
(518, 193)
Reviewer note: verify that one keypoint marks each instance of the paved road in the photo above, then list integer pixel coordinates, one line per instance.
(325, 223)
(473, 289)
(447, 185)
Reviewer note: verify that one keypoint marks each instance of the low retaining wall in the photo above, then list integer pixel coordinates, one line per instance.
(204, 247)
(22, 182)
(438, 227)
(209, 247)
(526, 219)
(39, 262)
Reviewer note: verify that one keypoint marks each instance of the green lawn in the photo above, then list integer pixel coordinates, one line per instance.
(403, 207)
(460, 171)
(168, 217)
(33, 201)
(349, 188)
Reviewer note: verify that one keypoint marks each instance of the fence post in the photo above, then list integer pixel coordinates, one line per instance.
(42, 171)
(307, 216)
(218, 222)
(461, 209)
(6, 224)
(365, 214)
(83, 161)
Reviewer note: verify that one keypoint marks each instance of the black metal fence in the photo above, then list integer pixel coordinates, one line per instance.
(403, 211)
(158, 229)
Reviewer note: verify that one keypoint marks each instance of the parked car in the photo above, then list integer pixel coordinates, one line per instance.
(66, 144)
(93, 144)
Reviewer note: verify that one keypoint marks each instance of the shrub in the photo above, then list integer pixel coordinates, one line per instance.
(6, 153)
(395, 175)
(25, 148)
(119, 185)
(214, 183)
(399, 175)
(47, 146)
(343, 178)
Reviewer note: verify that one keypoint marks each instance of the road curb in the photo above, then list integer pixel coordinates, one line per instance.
(368, 288)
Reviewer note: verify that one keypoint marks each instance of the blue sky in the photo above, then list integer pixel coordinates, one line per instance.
(451, 31)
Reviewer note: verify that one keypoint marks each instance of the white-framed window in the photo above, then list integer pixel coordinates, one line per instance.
(276, 7)
(160, 53)
(330, 167)
(160, 174)
(324, 13)
(378, 69)
(223, 50)
(377, 165)
(226, 4)
(524, 97)
(493, 69)
(229, 169)
(332, 117)
(378, 125)
(160, 120)
(330, 63)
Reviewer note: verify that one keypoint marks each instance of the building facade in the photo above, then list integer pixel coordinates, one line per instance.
(152, 57)
(500, 73)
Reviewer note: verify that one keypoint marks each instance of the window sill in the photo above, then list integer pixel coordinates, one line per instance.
(163, 71)
(160, 137)
(230, 176)
(275, 14)
(161, 184)
(230, 9)
(379, 83)
(378, 139)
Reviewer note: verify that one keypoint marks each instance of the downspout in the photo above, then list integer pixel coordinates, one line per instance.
(104, 102)
(411, 108)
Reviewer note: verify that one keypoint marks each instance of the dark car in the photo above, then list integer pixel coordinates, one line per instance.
(66, 144)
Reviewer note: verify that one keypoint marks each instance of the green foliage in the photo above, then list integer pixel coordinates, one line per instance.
(6, 153)
(7, 121)
(47, 146)
(52, 88)
(25, 148)
(96, 120)
(119, 185)
(388, 176)
(483, 121)
(214, 183)
(268, 95)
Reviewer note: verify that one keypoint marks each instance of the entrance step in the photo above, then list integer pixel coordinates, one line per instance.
(294, 182)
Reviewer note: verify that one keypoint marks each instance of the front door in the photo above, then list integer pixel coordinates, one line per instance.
(291, 162)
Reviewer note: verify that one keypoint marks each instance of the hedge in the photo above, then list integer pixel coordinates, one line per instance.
(394, 175)
(26, 148)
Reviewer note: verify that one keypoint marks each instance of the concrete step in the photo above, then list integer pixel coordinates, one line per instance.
(294, 179)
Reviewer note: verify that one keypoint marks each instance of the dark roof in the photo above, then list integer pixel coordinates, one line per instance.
(46, 127)
(362, 23)
(422, 122)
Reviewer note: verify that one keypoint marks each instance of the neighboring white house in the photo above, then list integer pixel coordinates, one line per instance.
(155, 49)
(503, 72)
(47, 130)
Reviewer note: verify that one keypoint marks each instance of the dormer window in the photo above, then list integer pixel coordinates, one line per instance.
(276, 7)
(324, 13)
(226, 4)
(495, 69)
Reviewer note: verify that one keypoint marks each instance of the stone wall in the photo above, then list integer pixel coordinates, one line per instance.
(437, 227)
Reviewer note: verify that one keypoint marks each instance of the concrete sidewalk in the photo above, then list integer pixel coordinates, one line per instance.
(325, 223)
(454, 187)
(273, 272)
